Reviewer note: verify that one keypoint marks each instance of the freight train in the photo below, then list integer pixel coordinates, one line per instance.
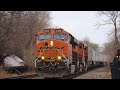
(58, 52)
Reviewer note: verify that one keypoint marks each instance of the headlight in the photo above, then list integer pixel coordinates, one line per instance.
(51, 43)
(116, 56)
(43, 57)
(59, 57)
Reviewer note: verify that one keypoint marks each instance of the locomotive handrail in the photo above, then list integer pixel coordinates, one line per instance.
(65, 58)
(38, 57)
(49, 64)
(62, 54)
(46, 65)
(52, 64)
(40, 54)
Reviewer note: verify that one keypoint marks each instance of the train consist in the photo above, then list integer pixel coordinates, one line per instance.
(60, 53)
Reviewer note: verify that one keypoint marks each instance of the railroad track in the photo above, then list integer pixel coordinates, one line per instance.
(71, 76)
(22, 76)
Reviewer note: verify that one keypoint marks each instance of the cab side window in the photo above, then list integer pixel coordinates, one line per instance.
(71, 39)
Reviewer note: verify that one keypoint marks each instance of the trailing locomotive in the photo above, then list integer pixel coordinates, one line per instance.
(59, 52)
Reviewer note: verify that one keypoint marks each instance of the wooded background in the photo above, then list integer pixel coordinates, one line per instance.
(17, 33)
(111, 19)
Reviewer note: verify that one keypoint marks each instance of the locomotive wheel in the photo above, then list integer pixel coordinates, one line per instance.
(86, 67)
(80, 67)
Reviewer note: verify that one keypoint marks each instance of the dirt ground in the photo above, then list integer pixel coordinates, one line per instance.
(5, 74)
(100, 73)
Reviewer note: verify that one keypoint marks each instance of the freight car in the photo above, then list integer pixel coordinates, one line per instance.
(95, 57)
(13, 63)
(59, 52)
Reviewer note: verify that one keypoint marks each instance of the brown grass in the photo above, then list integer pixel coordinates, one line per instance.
(5, 74)
(107, 67)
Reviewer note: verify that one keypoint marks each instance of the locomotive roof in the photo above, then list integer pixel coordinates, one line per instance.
(64, 31)
(53, 29)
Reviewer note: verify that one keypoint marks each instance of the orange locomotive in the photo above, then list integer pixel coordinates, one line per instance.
(57, 50)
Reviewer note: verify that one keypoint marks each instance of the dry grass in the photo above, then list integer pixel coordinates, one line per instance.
(5, 74)
(107, 67)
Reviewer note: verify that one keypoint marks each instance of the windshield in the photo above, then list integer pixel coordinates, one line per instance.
(62, 37)
(44, 37)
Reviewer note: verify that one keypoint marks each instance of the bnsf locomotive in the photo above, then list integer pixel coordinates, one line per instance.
(58, 51)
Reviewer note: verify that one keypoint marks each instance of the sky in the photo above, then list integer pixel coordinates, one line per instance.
(81, 24)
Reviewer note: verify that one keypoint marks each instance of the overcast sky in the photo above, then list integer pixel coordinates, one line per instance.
(80, 24)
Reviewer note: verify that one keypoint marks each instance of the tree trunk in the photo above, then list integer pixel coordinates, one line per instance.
(116, 38)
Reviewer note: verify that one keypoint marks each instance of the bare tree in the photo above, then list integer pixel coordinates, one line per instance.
(86, 41)
(17, 32)
(109, 49)
(113, 18)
